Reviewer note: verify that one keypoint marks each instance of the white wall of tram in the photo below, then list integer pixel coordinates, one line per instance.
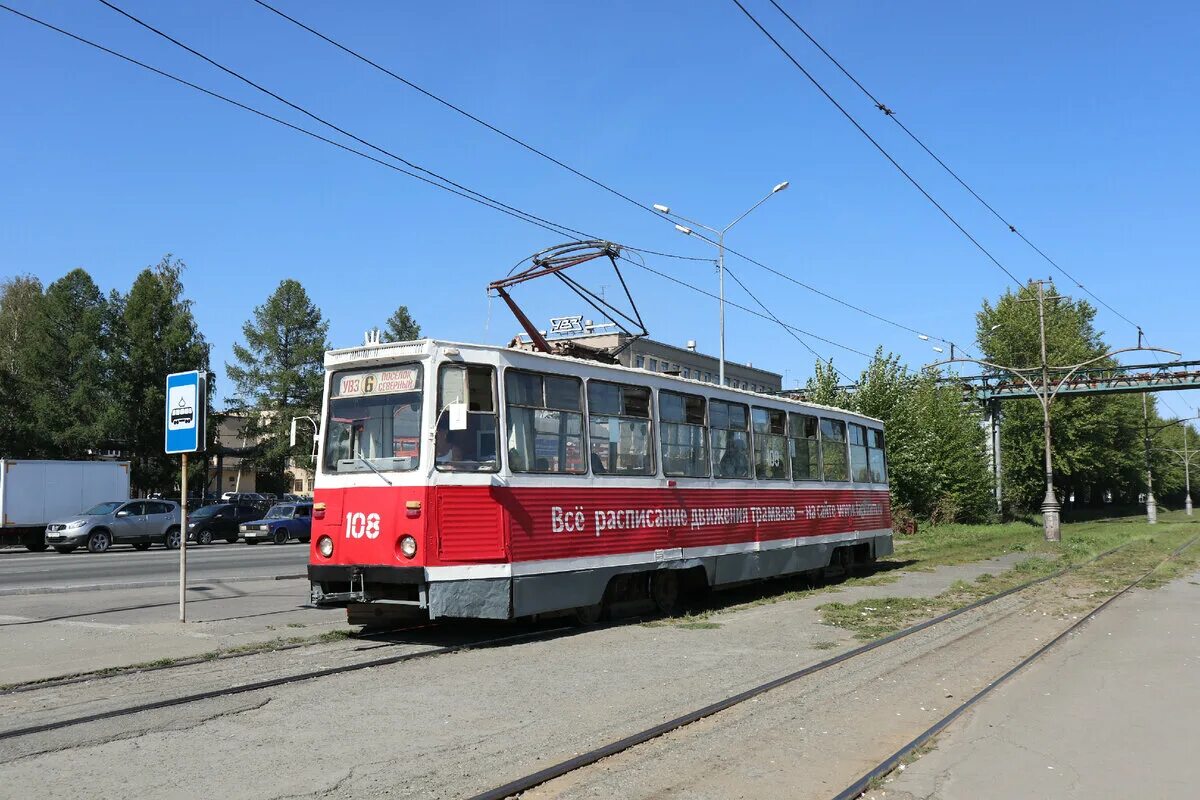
(432, 354)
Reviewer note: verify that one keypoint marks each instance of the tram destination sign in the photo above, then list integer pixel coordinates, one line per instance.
(387, 381)
(185, 412)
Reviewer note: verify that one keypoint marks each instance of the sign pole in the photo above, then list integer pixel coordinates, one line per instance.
(186, 413)
(183, 541)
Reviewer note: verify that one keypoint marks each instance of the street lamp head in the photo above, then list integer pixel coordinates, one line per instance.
(660, 208)
(994, 327)
(683, 230)
(922, 337)
(939, 349)
(779, 187)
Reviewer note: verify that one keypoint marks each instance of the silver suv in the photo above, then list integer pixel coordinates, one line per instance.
(140, 523)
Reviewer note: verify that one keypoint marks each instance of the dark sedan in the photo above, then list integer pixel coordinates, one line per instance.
(220, 521)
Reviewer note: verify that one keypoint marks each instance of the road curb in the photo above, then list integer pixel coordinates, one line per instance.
(100, 587)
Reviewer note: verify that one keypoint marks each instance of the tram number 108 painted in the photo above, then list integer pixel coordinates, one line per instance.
(359, 525)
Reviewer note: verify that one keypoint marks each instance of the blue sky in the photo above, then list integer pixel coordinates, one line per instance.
(1076, 120)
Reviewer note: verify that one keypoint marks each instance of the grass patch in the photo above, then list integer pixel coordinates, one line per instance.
(824, 645)
(1146, 547)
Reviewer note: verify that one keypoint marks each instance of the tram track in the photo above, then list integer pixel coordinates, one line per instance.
(271, 683)
(530, 636)
(564, 768)
(883, 768)
(266, 649)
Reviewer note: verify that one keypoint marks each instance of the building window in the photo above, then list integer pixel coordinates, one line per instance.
(804, 447)
(545, 423)
(640, 362)
(770, 444)
(682, 431)
(729, 432)
(472, 449)
(687, 373)
(708, 377)
(875, 456)
(834, 460)
(654, 365)
(619, 429)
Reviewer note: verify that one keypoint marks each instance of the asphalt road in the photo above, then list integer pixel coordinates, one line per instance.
(22, 571)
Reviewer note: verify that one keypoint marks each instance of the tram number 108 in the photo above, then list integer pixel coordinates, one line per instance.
(359, 525)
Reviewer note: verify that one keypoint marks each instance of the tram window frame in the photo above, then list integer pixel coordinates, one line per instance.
(519, 462)
(693, 416)
(600, 432)
(805, 428)
(719, 425)
(860, 470)
(828, 425)
(876, 444)
(475, 417)
(771, 429)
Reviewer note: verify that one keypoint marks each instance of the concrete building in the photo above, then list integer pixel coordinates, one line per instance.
(687, 362)
(229, 468)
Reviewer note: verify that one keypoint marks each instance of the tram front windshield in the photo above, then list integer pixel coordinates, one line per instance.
(374, 420)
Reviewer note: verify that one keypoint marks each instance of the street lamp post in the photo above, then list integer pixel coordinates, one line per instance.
(720, 245)
(1051, 522)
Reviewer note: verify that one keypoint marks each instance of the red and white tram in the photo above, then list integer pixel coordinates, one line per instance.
(461, 480)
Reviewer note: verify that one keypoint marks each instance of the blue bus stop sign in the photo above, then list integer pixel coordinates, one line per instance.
(185, 412)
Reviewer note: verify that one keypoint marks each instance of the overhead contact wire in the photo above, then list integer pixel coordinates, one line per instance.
(892, 115)
(877, 145)
(574, 171)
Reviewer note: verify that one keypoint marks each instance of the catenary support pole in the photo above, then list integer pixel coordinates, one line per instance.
(1051, 520)
(1187, 474)
(183, 539)
(1151, 506)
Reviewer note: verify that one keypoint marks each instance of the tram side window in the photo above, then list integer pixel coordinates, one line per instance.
(619, 429)
(834, 458)
(545, 423)
(858, 454)
(473, 449)
(683, 435)
(875, 456)
(804, 447)
(730, 434)
(770, 444)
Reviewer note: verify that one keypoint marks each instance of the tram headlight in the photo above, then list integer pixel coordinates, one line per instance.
(325, 546)
(408, 546)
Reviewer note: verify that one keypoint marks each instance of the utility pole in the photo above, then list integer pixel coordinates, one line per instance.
(1151, 507)
(1051, 509)
(1186, 455)
(1038, 380)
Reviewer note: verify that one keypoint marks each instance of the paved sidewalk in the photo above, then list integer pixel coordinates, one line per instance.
(45, 636)
(1114, 712)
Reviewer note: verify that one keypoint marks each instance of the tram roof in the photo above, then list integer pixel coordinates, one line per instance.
(384, 352)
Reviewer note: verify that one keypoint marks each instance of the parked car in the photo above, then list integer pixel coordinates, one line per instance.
(245, 499)
(219, 521)
(140, 523)
(283, 522)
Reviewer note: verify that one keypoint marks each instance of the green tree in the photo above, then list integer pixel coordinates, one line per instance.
(401, 327)
(279, 374)
(157, 335)
(68, 367)
(20, 305)
(937, 461)
(1096, 441)
(822, 386)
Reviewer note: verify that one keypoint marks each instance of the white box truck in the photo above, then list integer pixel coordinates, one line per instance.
(32, 493)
